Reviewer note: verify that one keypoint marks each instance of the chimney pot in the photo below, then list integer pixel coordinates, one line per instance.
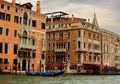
(38, 7)
(13, 2)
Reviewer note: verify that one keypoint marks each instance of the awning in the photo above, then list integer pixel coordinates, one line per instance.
(73, 66)
(56, 65)
(97, 65)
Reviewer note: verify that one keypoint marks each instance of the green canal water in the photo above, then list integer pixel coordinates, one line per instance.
(64, 79)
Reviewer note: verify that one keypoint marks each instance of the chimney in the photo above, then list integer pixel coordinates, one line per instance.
(13, 2)
(89, 20)
(38, 7)
(52, 16)
(72, 17)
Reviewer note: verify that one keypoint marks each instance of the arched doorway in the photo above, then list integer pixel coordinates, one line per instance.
(24, 65)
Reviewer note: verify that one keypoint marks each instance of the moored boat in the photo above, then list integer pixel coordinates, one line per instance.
(45, 73)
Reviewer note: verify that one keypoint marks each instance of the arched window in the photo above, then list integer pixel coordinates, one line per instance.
(24, 33)
(24, 37)
(25, 17)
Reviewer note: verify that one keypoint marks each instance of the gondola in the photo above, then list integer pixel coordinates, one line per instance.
(45, 73)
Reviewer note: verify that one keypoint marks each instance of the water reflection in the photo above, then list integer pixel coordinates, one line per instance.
(65, 79)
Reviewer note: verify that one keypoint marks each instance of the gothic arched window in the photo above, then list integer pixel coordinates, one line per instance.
(25, 17)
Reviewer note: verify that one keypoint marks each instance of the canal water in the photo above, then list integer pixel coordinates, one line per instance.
(64, 79)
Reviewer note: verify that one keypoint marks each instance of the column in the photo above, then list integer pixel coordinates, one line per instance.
(26, 65)
(82, 58)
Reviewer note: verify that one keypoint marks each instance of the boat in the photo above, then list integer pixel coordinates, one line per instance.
(45, 73)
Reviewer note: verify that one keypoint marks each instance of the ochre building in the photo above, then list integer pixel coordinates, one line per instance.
(72, 42)
(21, 37)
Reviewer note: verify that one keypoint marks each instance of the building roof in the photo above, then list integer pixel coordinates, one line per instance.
(66, 20)
(28, 4)
(17, 4)
(3, 1)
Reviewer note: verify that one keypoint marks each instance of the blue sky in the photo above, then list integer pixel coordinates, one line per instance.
(107, 11)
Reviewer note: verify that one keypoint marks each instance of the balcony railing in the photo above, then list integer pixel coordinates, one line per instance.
(24, 56)
(60, 50)
(23, 26)
(97, 51)
(81, 49)
(26, 46)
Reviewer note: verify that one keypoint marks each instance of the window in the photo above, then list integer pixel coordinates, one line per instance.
(15, 49)
(94, 58)
(1, 30)
(48, 35)
(53, 58)
(94, 36)
(19, 53)
(68, 45)
(8, 17)
(43, 56)
(33, 23)
(53, 35)
(2, 6)
(49, 46)
(89, 35)
(78, 44)
(24, 53)
(43, 25)
(84, 57)
(68, 57)
(90, 58)
(84, 45)
(7, 32)
(0, 60)
(25, 18)
(69, 24)
(98, 37)
(49, 59)
(20, 20)
(1, 46)
(89, 45)
(68, 34)
(29, 22)
(5, 61)
(53, 46)
(8, 7)
(60, 34)
(16, 10)
(64, 45)
(33, 55)
(6, 68)
(16, 19)
(2, 16)
(6, 48)
(79, 34)
(84, 34)
(33, 42)
(15, 33)
(79, 57)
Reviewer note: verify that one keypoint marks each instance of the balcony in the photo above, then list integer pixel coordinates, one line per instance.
(26, 46)
(81, 49)
(60, 50)
(90, 50)
(6, 63)
(97, 51)
(24, 54)
(23, 26)
(117, 53)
